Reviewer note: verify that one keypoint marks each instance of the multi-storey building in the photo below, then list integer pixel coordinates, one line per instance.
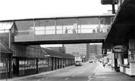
(76, 49)
(95, 51)
(88, 50)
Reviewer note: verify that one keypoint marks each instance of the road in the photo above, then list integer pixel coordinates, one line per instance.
(72, 73)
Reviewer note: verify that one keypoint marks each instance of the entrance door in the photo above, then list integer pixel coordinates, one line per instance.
(15, 67)
(4, 66)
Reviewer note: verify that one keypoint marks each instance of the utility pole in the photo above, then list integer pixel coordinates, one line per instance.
(113, 7)
(115, 55)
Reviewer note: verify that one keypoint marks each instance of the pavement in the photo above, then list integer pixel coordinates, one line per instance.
(107, 74)
(101, 74)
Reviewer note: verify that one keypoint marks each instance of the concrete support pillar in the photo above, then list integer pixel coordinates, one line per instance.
(10, 66)
(37, 65)
(87, 51)
(113, 7)
(115, 62)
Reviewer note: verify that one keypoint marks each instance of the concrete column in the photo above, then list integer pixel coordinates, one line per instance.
(37, 65)
(87, 51)
(113, 7)
(115, 62)
(10, 66)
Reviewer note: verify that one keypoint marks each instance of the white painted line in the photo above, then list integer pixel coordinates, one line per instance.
(89, 76)
(89, 79)
(66, 78)
(95, 70)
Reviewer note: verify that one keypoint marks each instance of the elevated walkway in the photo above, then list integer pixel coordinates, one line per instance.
(61, 30)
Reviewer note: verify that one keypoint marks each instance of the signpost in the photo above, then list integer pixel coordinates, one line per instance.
(119, 49)
(116, 50)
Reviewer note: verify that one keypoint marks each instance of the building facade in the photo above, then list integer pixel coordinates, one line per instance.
(76, 49)
(87, 50)
(121, 38)
(95, 51)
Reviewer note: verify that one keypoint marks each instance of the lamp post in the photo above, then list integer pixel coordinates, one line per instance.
(113, 6)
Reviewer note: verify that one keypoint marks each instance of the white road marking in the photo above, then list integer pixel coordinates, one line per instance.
(95, 70)
(90, 77)
(66, 78)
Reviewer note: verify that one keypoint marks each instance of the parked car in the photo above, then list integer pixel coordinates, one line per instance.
(91, 61)
(78, 63)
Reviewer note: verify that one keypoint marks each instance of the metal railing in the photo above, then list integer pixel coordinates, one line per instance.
(62, 31)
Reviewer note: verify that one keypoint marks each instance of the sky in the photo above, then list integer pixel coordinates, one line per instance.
(21, 9)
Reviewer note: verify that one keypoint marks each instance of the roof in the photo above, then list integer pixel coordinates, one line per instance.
(4, 48)
(5, 25)
(29, 19)
(54, 53)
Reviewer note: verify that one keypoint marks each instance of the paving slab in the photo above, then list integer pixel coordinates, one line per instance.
(107, 74)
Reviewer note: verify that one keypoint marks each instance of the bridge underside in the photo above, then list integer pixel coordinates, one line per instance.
(62, 42)
(60, 39)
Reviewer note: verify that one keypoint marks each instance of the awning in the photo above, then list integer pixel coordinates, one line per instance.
(105, 2)
(4, 48)
(123, 26)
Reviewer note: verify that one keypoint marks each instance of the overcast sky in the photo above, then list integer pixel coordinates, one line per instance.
(18, 9)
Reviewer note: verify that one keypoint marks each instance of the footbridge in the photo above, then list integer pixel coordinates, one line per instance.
(62, 30)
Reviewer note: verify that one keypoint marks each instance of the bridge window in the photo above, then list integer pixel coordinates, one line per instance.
(66, 26)
(88, 25)
(105, 23)
(45, 26)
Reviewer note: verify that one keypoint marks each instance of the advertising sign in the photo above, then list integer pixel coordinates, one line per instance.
(119, 49)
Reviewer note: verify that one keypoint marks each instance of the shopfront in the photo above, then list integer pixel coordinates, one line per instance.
(122, 32)
(130, 61)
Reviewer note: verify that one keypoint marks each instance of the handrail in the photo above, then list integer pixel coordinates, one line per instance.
(61, 31)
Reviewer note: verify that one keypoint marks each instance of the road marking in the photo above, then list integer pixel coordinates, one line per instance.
(66, 78)
(90, 77)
